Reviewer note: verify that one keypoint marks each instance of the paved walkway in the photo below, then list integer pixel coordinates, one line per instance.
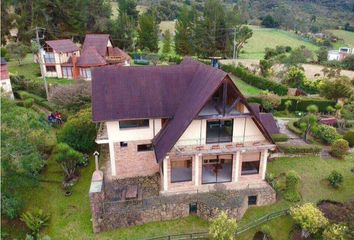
(293, 138)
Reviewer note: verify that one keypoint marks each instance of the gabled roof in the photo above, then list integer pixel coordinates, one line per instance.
(63, 45)
(98, 41)
(177, 92)
(90, 58)
(269, 123)
(117, 52)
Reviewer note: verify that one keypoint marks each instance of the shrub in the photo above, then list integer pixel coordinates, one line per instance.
(301, 103)
(222, 227)
(35, 220)
(28, 102)
(291, 193)
(280, 137)
(309, 217)
(79, 132)
(67, 158)
(335, 232)
(270, 100)
(10, 206)
(349, 136)
(339, 148)
(19, 82)
(256, 81)
(326, 134)
(37, 99)
(335, 179)
(291, 126)
(300, 149)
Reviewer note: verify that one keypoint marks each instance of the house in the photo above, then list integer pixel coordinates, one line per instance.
(5, 79)
(340, 54)
(187, 123)
(63, 59)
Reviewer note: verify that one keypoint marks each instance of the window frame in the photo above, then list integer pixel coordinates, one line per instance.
(137, 126)
(188, 164)
(208, 138)
(49, 57)
(51, 67)
(149, 147)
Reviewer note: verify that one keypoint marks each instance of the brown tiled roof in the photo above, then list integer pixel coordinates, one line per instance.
(118, 52)
(177, 92)
(90, 58)
(63, 45)
(98, 41)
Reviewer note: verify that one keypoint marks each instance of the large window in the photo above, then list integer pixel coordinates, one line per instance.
(67, 72)
(217, 169)
(85, 73)
(133, 123)
(144, 147)
(181, 170)
(250, 163)
(49, 57)
(219, 131)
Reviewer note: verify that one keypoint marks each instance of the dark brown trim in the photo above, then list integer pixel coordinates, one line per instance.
(233, 105)
(224, 97)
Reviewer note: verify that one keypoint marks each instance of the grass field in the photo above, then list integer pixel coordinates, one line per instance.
(268, 37)
(246, 89)
(346, 39)
(70, 216)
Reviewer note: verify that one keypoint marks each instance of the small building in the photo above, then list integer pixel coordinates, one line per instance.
(6, 87)
(340, 54)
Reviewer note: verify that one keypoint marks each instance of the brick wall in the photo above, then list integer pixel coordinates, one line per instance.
(131, 163)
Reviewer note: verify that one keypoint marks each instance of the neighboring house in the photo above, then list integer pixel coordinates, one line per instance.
(55, 55)
(63, 59)
(189, 124)
(5, 79)
(340, 54)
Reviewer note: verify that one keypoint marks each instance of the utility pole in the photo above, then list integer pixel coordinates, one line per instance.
(234, 53)
(41, 63)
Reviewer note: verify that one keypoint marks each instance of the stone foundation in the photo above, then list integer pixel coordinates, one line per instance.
(110, 212)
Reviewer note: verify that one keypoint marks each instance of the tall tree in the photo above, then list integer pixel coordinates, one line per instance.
(148, 31)
(129, 8)
(167, 42)
(184, 31)
(243, 33)
(123, 31)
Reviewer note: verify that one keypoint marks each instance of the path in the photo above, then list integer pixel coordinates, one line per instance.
(293, 138)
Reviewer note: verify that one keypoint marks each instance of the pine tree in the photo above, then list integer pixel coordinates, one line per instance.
(166, 48)
(123, 31)
(148, 33)
(184, 31)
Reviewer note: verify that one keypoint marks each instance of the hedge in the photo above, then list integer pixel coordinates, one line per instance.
(256, 81)
(291, 126)
(280, 137)
(299, 149)
(37, 99)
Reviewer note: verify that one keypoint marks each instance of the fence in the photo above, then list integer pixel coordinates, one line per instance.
(205, 235)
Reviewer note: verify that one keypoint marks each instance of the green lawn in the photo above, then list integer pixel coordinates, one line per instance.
(346, 38)
(268, 37)
(70, 216)
(246, 89)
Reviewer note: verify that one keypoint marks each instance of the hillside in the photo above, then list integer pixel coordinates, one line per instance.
(346, 39)
(267, 37)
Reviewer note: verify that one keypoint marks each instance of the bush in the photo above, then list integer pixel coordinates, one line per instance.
(291, 126)
(35, 220)
(335, 179)
(339, 148)
(256, 81)
(10, 206)
(335, 232)
(37, 99)
(222, 227)
(291, 193)
(280, 137)
(301, 103)
(309, 217)
(349, 136)
(19, 82)
(79, 132)
(28, 103)
(300, 149)
(326, 134)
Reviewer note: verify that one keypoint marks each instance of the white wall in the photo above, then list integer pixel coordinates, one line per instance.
(134, 134)
(5, 86)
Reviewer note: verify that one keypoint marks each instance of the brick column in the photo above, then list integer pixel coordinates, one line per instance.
(165, 173)
(264, 162)
(96, 195)
(196, 170)
(112, 158)
(236, 166)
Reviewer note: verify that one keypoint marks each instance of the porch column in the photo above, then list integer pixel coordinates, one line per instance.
(165, 172)
(196, 169)
(264, 163)
(236, 168)
(112, 158)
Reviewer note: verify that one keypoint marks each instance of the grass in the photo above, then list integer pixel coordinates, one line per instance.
(246, 89)
(346, 38)
(70, 216)
(268, 37)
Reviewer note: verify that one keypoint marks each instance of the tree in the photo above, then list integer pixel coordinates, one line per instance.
(68, 159)
(348, 63)
(222, 227)
(287, 104)
(166, 48)
(295, 77)
(148, 33)
(298, 55)
(243, 33)
(35, 220)
(322, 54)
(309, 217)
(17, 51)
(184, 31)
(79, 132)
(123, 31)
(309, 122)
(269, 22)
(128, 7)
(339, 88)
(265, 66)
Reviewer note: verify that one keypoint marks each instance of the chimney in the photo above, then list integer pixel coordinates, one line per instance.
(76, 71)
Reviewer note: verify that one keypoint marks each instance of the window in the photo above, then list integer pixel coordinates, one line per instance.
(181, 170)
(85, 73)
(133, 123)
(49, 57)
(67, 72)
(252, 200)
(219, 131)
(193, 208)
(145, 147)
(250, 163)
(217, 169)
(50, 69)
(123, 144)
